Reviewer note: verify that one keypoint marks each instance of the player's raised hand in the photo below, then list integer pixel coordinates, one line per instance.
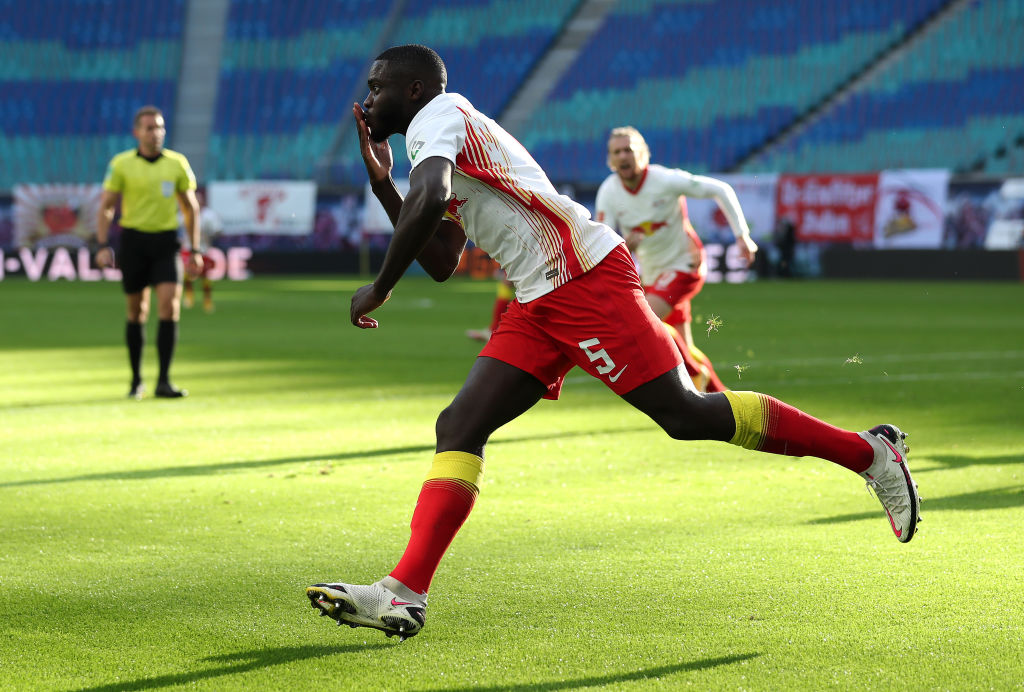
(376, 155)
(366, 300)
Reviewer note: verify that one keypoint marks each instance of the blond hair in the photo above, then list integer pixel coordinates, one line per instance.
(636, 142)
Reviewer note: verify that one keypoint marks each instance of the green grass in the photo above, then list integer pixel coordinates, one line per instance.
(166, 544)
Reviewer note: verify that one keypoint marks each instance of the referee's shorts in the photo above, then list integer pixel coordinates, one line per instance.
(149, 258)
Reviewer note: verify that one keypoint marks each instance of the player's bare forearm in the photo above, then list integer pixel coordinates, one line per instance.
(421, 213)
(389, 197)
(440, 256)
(105, 216)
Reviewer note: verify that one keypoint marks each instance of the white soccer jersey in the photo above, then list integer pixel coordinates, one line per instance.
(657, 208)
(505, 202)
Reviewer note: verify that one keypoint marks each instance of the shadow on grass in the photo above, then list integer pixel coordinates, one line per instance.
(1000, 498)
(209, 469)
(601, 680)
(951, 461)
(235, 663)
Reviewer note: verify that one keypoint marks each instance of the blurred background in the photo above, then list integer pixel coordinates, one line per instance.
(873, 139)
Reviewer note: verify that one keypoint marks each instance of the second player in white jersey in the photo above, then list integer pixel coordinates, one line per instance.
(654, 214)
(503, 200)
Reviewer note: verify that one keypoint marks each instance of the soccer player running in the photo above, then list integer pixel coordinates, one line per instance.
(578, 302)
(646, 203)
(151, 183)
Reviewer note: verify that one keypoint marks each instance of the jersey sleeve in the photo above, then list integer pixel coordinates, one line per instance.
(441, 135)
(113, 180)
(186, 179)
(602, 208)
(703, 187)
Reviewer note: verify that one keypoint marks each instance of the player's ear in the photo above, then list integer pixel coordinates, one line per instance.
(415, 90)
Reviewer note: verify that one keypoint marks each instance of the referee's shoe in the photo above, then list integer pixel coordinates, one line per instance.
(166, 390)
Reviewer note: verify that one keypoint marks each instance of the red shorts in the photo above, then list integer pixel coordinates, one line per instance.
(677, 289)
(599, 321)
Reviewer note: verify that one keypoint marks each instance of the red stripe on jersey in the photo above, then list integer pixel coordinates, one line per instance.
(476, 162)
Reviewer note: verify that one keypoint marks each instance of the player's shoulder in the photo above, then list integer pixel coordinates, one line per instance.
(659, 171)
(122, 157)
(609, 185)
(175, 156)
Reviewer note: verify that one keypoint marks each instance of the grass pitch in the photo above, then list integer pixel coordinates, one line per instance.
(166, 544)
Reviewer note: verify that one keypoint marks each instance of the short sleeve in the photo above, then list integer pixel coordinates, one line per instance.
(187, 179)
(113, 180)
(602, 208)
(442, 135)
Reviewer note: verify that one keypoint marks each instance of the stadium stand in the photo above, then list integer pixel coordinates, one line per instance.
(951, 100)
(707, 80)
(289, 70)
(71, 86)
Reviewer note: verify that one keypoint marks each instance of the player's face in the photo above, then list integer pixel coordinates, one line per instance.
(622, 157)
(150, 132)
(384, 106)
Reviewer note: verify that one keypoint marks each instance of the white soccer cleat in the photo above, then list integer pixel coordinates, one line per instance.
(889, 477)
(373, 606)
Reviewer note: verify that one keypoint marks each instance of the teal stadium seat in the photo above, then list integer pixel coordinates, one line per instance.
(71, 86)
(707, 81)
(950, 100)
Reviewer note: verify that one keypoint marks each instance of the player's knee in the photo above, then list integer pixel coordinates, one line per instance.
(456, 432)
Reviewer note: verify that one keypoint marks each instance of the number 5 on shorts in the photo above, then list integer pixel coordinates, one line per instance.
(594, 356)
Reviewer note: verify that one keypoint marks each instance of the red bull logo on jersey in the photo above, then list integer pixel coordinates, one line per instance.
(453, 210)
(648, 227)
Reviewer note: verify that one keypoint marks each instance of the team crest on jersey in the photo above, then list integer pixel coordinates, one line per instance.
(414, 148)
(648, 227)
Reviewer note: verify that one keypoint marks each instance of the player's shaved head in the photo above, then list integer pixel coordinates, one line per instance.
(416, 62)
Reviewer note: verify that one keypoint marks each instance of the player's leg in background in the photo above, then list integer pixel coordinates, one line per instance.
(505, 295)
(207, 293)
(662, 309)
(494, 394)
(680, 318)
(169, 311)
(136, 314)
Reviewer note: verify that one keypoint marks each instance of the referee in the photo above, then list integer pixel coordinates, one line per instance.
(151, 182)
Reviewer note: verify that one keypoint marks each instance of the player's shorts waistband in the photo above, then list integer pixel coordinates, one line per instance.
(149, 230)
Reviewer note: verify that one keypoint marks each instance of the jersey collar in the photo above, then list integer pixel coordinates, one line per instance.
(635, 190)
(151, 160)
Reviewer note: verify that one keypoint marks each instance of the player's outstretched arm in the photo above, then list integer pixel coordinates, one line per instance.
(430, 188)
(725, 197)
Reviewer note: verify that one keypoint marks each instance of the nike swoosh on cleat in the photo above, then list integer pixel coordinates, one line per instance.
(396, 602)
(899, 457)
(898, 532)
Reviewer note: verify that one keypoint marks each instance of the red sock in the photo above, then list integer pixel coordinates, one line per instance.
(445, 501)
(769, 425)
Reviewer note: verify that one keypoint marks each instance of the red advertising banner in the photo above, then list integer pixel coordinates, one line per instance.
(836, 208)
